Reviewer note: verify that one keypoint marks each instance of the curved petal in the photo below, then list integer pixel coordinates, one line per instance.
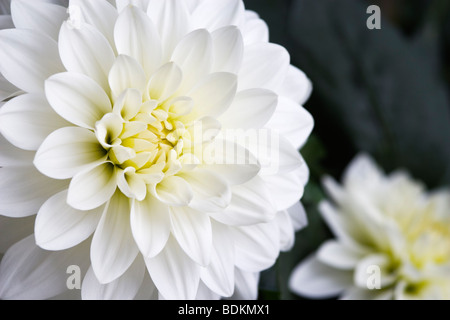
(258, 246)
(194, 55)
(255, 31)
(27, 120)
(92, 188)
(298, 216)
(339, 256)
(29, 273)
(228, 49)
(250, 204)
(174, 191)
(150, 224)
(100, 14)
(24, 190)
(68, 151)
(126, 73)
(175, 275)
(113, 249)
(313, 279)
(265, 66)
(292, 121)
(125, 287)
(287, 187)
(246, 285)
(192, 230)
(211, 192)
(136, 36)
(77, 98)
(165, 82)
(286, 230)
(214, 94)
(219, 13)
(251, 109)
(43, 17)
(28, 58)
(85, 50)
(172, 20)
(59, 226)
(296, 86)
(219, 274)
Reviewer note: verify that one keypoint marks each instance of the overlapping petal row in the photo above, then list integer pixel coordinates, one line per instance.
(113, 110)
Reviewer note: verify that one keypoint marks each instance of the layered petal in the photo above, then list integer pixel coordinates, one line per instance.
(113, 249)
(69, 151)
(27, 120)
(59, 226)
(28, 58)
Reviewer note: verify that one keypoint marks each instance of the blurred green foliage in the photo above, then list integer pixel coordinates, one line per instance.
(384, 92)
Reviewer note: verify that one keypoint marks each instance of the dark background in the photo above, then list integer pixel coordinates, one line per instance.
(384, 92)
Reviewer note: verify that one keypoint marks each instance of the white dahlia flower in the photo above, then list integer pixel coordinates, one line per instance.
(393, 240)
(157, 142)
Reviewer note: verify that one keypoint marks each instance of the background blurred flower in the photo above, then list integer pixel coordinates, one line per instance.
(112, 99)
(385, 224)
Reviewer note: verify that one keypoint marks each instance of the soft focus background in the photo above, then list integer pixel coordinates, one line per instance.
(385, 92)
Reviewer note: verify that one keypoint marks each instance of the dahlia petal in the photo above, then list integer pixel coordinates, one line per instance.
(7, 89)
(174, 191)
(27, 272)
(43, 17)
(296, 86)
(28, 58)
(13, 230)
(214, 95)
(219, 274)
(90, 189)
(258, 246)
(69, 151)
(27, 120)
(338, 255)
(194, 55)
(136, 36)
(228, 49)
(286, 230)
(217, 14)
(175, 275)
(251, 109)
(141, 4)
(287, 187)
(100, 14)
(235, 163)
(113, 249)
(126, 73)
(24, 190)
(77, 98)
(246, 285)
(60, 227)
(85, 50)
(124, 288)
(165, 82)
(250, 204)
(150, 224)
(255, 31)
(192, 230)
(265, 66)
(314, 279)
(11, 156)
(292, 121)
(298, 216)
(172, 20)
(131, 184)
(211, 192)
